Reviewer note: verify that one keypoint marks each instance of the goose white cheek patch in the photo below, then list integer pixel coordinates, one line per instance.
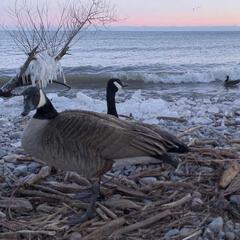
(117, 85)
(42, 100)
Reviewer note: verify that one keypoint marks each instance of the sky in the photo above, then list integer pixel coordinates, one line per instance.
(159, 13)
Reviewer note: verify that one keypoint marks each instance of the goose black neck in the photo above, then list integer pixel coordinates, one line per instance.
(111, 105)
(46, 112)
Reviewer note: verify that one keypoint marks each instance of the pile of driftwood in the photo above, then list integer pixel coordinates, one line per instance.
(144, 205)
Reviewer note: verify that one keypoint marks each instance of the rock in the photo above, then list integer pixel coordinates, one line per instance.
(228, 226)
(235, 199)
(21, 170)
(148, 180)
(16, 135)
(216, 225)
(237, 230)
(2, 215)
(196, 195)
(213, 109)
(197, 204)
(230, 236)
(75, 236)
(34, 167)
(208, 234)
(184, 232)
(3, 153)
(171, 233)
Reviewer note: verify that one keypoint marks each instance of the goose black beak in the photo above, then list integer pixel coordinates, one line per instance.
(124, 85)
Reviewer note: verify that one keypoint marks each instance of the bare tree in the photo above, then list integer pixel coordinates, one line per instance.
(39, 38)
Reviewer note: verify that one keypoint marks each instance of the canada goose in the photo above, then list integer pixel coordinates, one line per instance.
(231, 83)
(85, 142)
(116, 84)
(113, 86)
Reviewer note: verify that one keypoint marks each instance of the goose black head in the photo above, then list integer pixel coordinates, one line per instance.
(115, 84)
(34, 98)
(227, 78)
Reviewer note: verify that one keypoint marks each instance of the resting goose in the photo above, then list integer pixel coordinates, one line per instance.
(85, 142)
(113, 86)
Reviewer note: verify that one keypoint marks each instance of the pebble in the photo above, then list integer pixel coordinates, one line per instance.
(197, 204)
(235, 199)
(3, 153)
(208, 234)
(184, 232)
(2, 215)
(33, 167)
(230, 236)
(21, 170)
(75, 236)
(216, 225)
(228, 226)
(148, 180)
(171, 233)
(237, 230)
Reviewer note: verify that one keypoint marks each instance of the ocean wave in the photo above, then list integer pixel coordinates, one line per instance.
(154, 73)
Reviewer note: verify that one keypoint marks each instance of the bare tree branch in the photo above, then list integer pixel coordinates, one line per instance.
(34, 28)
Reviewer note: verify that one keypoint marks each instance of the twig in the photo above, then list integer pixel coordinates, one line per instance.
(104, 231)
(188, 131)
(178, 203)
(142, 224)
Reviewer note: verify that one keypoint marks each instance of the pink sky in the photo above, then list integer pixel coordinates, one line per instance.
(159, 12)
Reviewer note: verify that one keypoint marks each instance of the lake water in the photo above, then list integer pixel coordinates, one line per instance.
(169, 73)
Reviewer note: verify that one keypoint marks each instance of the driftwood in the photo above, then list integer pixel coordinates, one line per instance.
(144, 223)
(144, 205)
(229, 174)
(175, 119)
(106, 230)
(16, 203)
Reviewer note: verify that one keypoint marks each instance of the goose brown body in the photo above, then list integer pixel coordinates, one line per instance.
(170, 141)
(88, 142)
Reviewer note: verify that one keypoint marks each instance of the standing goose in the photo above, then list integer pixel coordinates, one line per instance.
(113, 86)
(85, 142)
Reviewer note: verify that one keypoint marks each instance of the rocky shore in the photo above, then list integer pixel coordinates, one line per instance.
(199, 200)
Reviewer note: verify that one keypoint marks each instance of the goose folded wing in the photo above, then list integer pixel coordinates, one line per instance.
(101, 135)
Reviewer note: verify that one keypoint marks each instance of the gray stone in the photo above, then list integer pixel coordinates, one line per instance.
(237, 229)
(148, 180)
(196, 195)
(208, 234)
(21, 170)
(230, 236)
(75, 236)
(171, 233)
(2, 215)
(33, 167)
(197, 204)
(228, 226)
(3, 153)
(216, 225)
(221, 235)
(184, 232)
(235, 199)
(16, 135)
